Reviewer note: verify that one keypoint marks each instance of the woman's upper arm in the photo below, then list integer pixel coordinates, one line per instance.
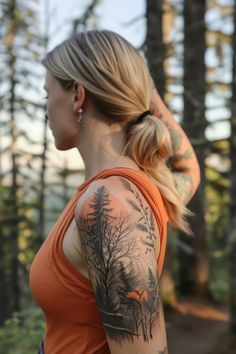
(120, 241)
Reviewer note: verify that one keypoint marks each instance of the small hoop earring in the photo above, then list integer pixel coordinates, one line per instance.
(80, 119)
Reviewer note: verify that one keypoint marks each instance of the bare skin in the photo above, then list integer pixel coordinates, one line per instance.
(101, 145)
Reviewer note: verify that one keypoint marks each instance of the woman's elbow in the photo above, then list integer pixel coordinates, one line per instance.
(196, 179)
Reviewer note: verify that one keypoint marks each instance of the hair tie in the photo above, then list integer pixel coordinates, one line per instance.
(142, 116)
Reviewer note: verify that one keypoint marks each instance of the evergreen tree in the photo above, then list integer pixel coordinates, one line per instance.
(20, 47)
(195, 279)
(155, 47)
(99, 205)
(126, 283)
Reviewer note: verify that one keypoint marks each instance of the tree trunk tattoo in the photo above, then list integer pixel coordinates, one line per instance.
(128, 301)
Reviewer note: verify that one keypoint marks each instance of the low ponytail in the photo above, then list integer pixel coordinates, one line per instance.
(117, 80)
(149, 145)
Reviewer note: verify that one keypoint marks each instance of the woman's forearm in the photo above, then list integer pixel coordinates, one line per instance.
(183, 163)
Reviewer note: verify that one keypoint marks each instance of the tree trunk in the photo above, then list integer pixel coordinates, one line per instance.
(194, 268)
(14, 291)
(155, 48)
(3, 295)
(155, 54)
(232, 235)
(41, 219)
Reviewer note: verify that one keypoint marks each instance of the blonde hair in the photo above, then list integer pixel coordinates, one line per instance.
(118, 81)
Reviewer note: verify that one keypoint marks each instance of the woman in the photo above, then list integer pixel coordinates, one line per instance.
(96, 276)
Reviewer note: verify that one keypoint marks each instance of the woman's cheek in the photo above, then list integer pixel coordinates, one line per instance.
(52, 110)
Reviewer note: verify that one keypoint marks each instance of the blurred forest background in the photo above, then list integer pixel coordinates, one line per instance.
(190, 47)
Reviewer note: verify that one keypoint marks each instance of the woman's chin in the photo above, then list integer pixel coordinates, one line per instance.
(63, 146)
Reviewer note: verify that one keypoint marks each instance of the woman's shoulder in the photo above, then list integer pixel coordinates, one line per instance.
(116, 189)
(119, 199)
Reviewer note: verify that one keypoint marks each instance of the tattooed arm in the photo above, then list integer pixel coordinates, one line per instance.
(120, 243)
(184, 163)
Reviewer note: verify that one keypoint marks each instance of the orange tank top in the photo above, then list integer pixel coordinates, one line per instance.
(73, 323)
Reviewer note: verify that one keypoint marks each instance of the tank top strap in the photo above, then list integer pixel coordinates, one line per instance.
(150, 192)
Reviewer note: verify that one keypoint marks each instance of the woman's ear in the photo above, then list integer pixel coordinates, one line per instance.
(78, 96)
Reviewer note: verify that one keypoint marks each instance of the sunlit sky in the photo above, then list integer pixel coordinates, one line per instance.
(111, 14)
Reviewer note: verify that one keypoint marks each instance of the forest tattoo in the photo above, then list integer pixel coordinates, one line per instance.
(128, 301)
